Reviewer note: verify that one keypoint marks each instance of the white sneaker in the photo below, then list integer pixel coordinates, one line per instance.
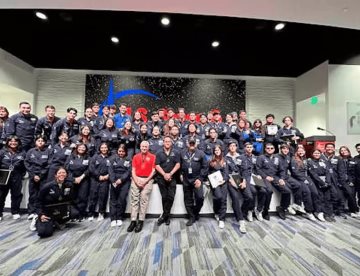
(298, 208)
(33, 223)
(309, 216)
(100, 217)
(354, 215)
(31, 216)
(119, 222)
(250, 216)
(242, 226)
(258, 215)
(16, 216)
(1, 218)
(90, 218)
(217, 217)
(113, 223)
(291, 210)
(221, 224)
(320, 216)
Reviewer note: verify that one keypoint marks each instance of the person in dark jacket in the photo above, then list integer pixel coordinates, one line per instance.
(23, 126)
(143, 135)
(99, 121)
(310, 194)
(4, 117)
(37, 165)
(110, 135)
(289, 134)
(258, 136)
(242, 135)
(167, 164)
(77, 166)
(12, 158)
(347, 180)
(156, 141)
(128, 138)
(209, 144)
(45, 124)
(320, 173)
(87, 120)
(270, 130)
(59, 153)
(55, 205)
(119, 173)
(99, 188)
(84, 137)
(194, 169)
(67, 124)
(272, 172)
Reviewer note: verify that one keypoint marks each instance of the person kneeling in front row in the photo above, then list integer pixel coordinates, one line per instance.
(55, 205)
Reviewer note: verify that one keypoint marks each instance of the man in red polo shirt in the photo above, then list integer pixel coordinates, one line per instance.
(143, 170)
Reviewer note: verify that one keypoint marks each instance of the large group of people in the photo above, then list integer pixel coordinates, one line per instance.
(74, 164)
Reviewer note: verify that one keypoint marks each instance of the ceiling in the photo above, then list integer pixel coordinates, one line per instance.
(80, 39)
(338, 13)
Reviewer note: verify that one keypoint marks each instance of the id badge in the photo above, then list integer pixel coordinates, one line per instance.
(11, 167)
(190, 170)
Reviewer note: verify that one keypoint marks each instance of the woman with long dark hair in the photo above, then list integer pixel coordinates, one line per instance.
(99, 187)
(259, 136)
(348, 180)
(127, 137)
(12, 158)
(4, 116)
(119, 172)
(77, 166)
(218, 163)
(84, 137)
(108, 135)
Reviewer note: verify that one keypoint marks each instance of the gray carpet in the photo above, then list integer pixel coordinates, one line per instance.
(292, 247)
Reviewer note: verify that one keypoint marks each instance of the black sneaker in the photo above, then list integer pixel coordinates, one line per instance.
(139, 226)
(161, 220)
(167, 221)
(190, 222)
(281, 212)
(266, 216)
(132, 226)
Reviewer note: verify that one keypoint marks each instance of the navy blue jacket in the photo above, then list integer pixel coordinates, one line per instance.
(64, 126)
(120, 168)
(37, 162)
(45, 127)
(12, 161)
(270, 166)
(23, 127)
(99, 166)
(198, 164)
(77, 165)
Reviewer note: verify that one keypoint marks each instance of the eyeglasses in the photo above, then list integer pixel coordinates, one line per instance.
(270, 148)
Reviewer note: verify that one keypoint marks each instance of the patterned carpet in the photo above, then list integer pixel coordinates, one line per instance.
(292, 247)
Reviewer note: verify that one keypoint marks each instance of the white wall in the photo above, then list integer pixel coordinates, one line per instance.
(344, 86)
(312, 83)
(11, 96)
(65, 88)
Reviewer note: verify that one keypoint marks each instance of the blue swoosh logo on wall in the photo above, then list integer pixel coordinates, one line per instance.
(112, 96)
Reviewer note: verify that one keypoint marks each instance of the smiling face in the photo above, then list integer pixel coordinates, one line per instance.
(144, 147)
(121, 152)
(316, 154)
(104, 149)
(13, 144)
(301, 152)
(109, 123)
(217, 151)
(81, 149)
(25, 109)
(61, 175)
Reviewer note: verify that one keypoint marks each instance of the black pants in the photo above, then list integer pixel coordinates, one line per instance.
(118, 200)
(220, 200)
(285, 191)
(311, 197)
(99, 193)
(326, 203)
(297, 190)
(190, 192)
(46, 229)
(337, 200)
(33, 203)
(241, 200)
(167, 190)
(264, 197)
(81, 195)
(14, 186)
(347, 192)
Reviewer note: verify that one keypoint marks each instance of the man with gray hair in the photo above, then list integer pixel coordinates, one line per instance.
(143, 170)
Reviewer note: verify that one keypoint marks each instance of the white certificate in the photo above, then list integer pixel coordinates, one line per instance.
(216, 179)
(272, 129)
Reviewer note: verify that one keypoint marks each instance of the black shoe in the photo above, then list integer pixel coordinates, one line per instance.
(161, 220)
(139, 226)
(132, 226)
(197, 217)
(190, 222)
(167, 221)
(281, 212)
(266, 216)
(342, 215)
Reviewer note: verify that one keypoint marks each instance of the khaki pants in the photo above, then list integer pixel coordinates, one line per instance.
(140, 200)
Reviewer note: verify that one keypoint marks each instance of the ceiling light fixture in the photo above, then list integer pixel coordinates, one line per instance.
(115, 39)
(165, 21)
(41, 15)
(215, 44)
(279, 26)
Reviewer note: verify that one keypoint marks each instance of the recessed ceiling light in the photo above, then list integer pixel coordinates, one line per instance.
(165, 21)
(215, 44)
(279, 26)
(345, 9)
(115, 39)
(41, 15)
